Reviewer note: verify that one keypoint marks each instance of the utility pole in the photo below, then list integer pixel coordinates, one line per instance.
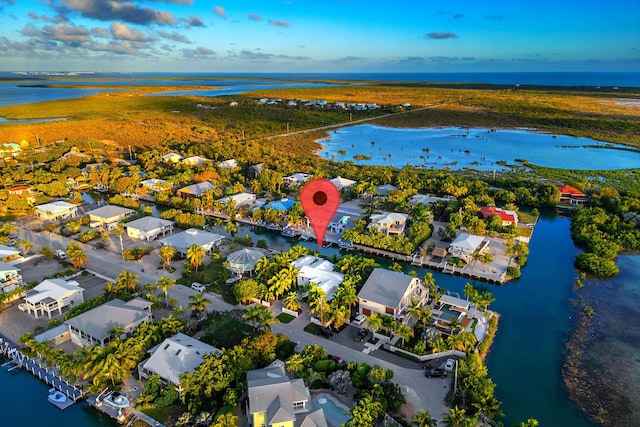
(287, 127)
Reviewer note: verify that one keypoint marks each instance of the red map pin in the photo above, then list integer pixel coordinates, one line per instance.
(320, 199)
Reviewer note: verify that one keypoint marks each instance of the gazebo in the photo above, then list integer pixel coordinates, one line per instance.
(244, 260)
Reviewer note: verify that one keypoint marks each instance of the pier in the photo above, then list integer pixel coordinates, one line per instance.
(18, 360)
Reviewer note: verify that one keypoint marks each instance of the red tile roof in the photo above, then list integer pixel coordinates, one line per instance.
(18, 188)
(567, 189)
(487, 211)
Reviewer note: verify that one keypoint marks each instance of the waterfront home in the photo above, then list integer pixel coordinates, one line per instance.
(428, 200)
(56, 211)
(22, 191)
(390, 293)
(181, 242)
(384, 190)
(228, 164)
(341, 182)
(572, 195)
(466, 244)
(91, 167)
(154, 184)
(506, 216)
(148, 228)
(96, 326)
(195, 190)
(172, 158)
(173, 357)
(8, 253)
(108, 216)
(255, 170)
(239, 199)
(449, 307)
(195, 161)
(296, 179)
(10, 278)
(389, 223)
(275, 400)
(312, 269)
(52, 295)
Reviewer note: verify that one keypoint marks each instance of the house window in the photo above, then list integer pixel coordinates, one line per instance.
(298, 405)
(389, 310)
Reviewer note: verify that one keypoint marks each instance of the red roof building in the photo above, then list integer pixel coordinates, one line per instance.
(572, 195)
(507, 217)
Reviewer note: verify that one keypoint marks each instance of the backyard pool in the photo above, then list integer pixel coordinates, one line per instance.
(336, 413)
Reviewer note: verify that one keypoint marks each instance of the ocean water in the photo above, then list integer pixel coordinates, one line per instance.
(456, 148)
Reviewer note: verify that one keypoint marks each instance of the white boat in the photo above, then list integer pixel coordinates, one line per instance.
(118, 400)
(56, 396)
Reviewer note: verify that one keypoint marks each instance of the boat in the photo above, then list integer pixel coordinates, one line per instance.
(346, 245)
(288, 232)
(117, 400)
(56, 396)
(326, 244)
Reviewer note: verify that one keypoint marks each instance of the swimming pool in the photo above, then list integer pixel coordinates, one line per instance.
(448, 314)
(335, 412)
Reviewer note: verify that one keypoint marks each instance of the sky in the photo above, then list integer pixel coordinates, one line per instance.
(319, 35)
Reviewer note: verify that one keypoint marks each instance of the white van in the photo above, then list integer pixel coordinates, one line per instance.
(60, 254)
(198, 287)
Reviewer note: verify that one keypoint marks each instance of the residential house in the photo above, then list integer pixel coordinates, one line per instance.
(390, 293)
(228, 164)
(428, 200)
(57, 211)
(52, 295)
(507, 217)
(108, 216)
(195, 190)
(341, 182)
(240, 199)
(316, 270)
(389, 223)
(276, 401)
(91, 167)
(96, 326)
(466, 244)
(148, 228)
(296, 179)
(10, 278)
(384, 190)
(255, 170)
(173, 357)
(572, 195)
(154, 184)
(181, 242)
(9, 150)
(172, 158)
(8, 253)
(195, 161)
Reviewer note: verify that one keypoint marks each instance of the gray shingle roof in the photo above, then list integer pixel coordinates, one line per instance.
(148, 223)
(98, 321)
(385, 287)
(110, 211)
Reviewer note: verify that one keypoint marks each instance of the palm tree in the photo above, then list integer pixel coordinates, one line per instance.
(24, 245)
(531, 422)
(127, 281)
(292, 301)
(489, 406)
(199, 303)
(166, 254)
(458, 418)
(405, 332)
(424, 314)
(374, 322)
(453, 325)
(260, 317)
(195, 254)
(486, 259)
(166, 283)
(413, 309)
(469, 290)
(423, 419)
(365, 413)
(77, 256)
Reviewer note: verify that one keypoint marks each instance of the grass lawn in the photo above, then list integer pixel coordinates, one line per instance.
(224, 330)
(524, 231)
(312, 328)
(526, 217)
(285, 318)
(163, 414)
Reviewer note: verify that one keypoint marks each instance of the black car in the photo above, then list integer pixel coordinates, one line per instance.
(362, 335)
(325, 332)
(435, 373)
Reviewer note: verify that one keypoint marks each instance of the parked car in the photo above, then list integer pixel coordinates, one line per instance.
(359, 319)
(449, 365)
(60, 254)
(336, 359)
(325, 332)
(435, 373)
(362, 335)
(199, 287)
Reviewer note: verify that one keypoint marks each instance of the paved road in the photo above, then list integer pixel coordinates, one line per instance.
(420, 391)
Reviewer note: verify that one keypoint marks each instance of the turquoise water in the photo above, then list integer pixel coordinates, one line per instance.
(24, 403)
(334, 414)
(458, 148)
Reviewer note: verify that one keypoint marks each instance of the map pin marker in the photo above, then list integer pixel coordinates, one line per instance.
(320, 199)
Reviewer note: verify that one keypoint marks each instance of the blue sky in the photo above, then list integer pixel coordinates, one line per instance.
(320, 35)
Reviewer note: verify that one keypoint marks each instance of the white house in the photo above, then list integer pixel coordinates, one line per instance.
(57, 210)
(97, 325)
(341, 182)
(195, 190)
(154, 184)
(384, 190)
(296, 179)
(181, 242)
(240, 199)
(390, 293)
(228, 164)
(316, 270)
(389, 223)
(195, 161)
(466, 244)
(148, 228)
(52, 295)
(173, 357)
(108, 215)
(10, 278)
(172, 158)
(428, 200)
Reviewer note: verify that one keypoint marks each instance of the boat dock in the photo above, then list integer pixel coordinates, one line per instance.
(48, 376)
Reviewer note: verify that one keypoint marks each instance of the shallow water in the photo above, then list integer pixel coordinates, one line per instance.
(457, 148)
